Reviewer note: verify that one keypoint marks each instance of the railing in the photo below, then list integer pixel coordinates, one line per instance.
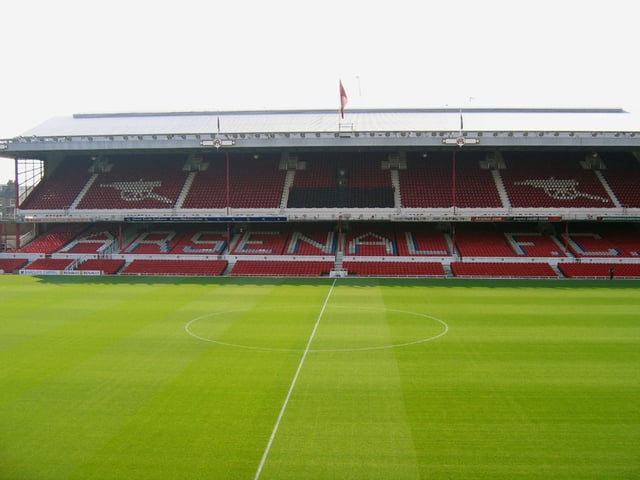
(305, 214)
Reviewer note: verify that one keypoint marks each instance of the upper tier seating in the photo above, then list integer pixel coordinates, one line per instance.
(341, 198)
(253, 183)
(59, 189)
(428, 182)
(208, 189)
(137, 182)
(337, 180)
(344, 180)
(552, 180)
(256, 182)
(622, 173)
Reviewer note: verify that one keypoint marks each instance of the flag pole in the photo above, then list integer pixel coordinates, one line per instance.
(343, 98)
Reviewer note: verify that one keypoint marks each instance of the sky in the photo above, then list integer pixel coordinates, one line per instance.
(86, 56)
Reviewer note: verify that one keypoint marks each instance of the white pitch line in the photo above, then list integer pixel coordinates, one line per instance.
(293, 384)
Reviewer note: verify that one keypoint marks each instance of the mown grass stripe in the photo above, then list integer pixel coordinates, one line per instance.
(293, 384)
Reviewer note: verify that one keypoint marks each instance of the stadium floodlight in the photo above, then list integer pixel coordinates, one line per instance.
(217, 143)
(461, 141)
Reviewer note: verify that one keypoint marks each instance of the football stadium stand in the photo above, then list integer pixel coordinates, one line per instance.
(302, 193)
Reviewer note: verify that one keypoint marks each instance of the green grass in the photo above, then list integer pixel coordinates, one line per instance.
(145, 378)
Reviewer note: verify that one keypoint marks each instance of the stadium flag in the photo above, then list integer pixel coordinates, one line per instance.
(343, 99)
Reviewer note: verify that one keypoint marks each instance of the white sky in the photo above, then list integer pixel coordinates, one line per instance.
(82, 56)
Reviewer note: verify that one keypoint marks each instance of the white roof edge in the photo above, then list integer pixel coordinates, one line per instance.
(485, 119)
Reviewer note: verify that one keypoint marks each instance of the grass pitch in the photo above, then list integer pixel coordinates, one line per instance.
(146, 378)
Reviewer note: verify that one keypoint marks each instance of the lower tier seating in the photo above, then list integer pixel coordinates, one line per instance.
(10, 265)
(50, 264)
(108, 266)
(176, 267)
(600, 270)
(284, 268)
(53, 240)
(498, 269)
(428, 269)
(483, 244)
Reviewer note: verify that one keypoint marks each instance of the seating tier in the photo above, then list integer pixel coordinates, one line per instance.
(107, 266)
(482, 242)
(253, 183)
(552, 180)
(498, 269)
(428, 269)
(344, 180)
(49, 264)
(137, 182)
(11, 265)
(175, 267)
(600, 270)
(53, 240)
(428, 182)
(622, 173)
(59, 190)
(281, 268)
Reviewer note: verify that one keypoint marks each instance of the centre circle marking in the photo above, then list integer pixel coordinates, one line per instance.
(444, 324)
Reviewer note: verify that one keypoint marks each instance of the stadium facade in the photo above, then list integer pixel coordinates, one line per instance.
(379, 192)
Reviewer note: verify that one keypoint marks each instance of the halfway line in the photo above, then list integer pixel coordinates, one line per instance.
(293, 384)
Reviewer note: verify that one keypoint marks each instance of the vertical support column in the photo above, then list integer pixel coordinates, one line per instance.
(15, 179)
(228, 191)
(453, 180)
(453, 237)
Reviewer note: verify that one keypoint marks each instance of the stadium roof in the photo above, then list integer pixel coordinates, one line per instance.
(395, 128)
